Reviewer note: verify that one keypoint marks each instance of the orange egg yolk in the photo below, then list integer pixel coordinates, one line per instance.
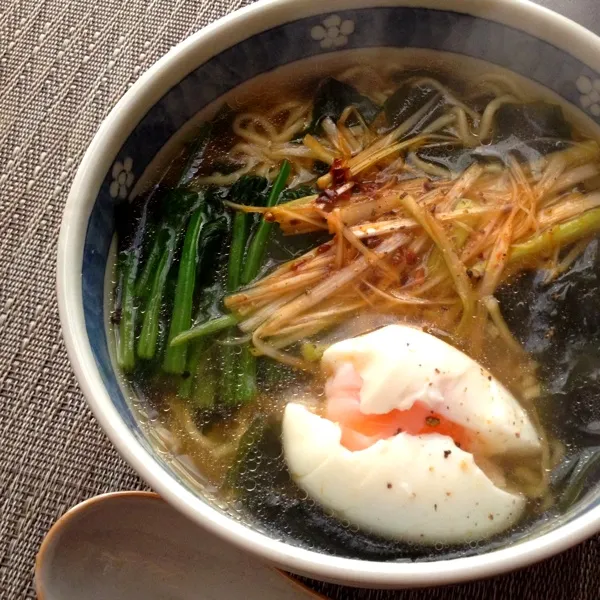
(360, 430)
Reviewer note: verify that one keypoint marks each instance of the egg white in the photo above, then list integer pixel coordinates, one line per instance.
(421, 488)
(415, 488)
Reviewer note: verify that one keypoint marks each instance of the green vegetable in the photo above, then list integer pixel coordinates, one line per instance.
(132, 222)
(559, 235)
(454, 157)
(246, 389)
(236, 253)
(176, 208)
(149, 336)
(200, 386)
(175, 357)
(257, 247)
(196, 351)
(209, 328)
(205, 389)
(239, 370)
(142, 286)
(333, 96)
(231, 367)
(298, 192)
(200, 234)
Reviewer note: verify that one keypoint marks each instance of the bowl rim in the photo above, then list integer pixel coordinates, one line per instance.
(114, 130)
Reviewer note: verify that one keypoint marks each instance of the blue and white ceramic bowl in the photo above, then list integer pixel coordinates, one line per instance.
(516, 35)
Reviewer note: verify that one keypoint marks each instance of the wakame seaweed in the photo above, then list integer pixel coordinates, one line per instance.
(408, 100)
(530, 121)
(558, 323)
(333, 96)
(453, 157)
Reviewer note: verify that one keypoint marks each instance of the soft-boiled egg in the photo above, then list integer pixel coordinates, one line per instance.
(404, 445)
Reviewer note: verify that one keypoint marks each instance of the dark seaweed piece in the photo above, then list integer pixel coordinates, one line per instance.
(574, 476)
(454, 157)
(246, 447)
(530, 121)
(195, 154)
(529, 130)
(528, 150)
(408, 99)
(320, 168)
(333, 96)
(559, 324)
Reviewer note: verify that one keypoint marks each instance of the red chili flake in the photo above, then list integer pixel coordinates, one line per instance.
(294, 222)
(389, 486)
(339, 172)
(322, 249)
(427, 185)
(410, 257)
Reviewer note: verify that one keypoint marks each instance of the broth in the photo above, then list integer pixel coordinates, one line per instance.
(368, 198)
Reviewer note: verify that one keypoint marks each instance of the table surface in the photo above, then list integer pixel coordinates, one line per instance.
(63, 65)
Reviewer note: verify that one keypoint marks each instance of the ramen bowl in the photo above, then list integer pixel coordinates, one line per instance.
(538, 47)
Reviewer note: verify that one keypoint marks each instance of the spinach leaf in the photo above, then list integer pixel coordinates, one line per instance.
(249, 189)
(298, 192)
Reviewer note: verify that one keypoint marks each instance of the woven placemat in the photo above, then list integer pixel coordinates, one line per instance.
(63, 65)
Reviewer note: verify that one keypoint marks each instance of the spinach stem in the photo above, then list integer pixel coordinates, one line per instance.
(208, 328)
(181, 318)
(258, 244)
(149, 335)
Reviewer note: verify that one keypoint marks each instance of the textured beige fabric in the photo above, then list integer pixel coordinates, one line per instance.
(63, 64)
